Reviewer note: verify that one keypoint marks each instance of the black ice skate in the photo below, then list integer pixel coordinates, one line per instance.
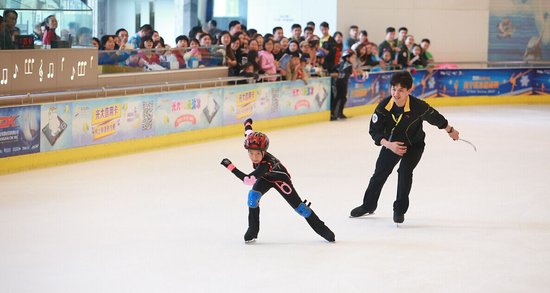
(398, 218)
(360, 211)
(320, 228)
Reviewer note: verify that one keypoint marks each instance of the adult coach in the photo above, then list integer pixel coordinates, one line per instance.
(397, 125)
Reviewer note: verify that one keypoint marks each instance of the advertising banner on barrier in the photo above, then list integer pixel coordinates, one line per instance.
(110, 120)
(56, 126)
(368, 91)
(424, 84)
(541, 82)
(489, 82)
(19, 131)
(189, 110)
(254, 100)
(299, 98)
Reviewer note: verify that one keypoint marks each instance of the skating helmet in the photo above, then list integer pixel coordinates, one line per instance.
(256, 141)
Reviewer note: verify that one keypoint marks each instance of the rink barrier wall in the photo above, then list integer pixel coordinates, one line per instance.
(99, 128)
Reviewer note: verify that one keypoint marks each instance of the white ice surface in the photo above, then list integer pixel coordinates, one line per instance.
(173, 220)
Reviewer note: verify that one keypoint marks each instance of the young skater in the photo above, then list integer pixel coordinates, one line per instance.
(270, 173)
(397, 125)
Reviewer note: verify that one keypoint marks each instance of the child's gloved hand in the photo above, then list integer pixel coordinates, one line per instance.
(248, 122)
(227, 163)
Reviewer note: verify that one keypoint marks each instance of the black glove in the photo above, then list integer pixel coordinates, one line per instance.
(248, 122)
(226, 162)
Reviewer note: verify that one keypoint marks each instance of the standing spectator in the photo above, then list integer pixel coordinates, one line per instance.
(38, 33)
(388, 44)
(352, 37)
(284, 44)
(311, 24)
(294, 70)
(426, 55)
(49, 35)
(234, 27)
(277, 51)
(401, 36)
(96, 43)
(328, 46)
(213, 29)
(308, 33)
(278, 33)
(339, 46)
(182, 43)
(123, 40)
(296, 33)
(144, 30)
(363, 37)
(404, 58)
(267, 61)
(10, 20)
(146, 54)
(234, 56)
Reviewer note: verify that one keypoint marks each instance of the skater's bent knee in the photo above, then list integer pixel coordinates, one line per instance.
(254, 198)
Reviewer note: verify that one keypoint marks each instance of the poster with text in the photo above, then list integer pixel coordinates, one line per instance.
(111, 120)
(257, 101)
(189, 110)
(475, 82)
(299, 98)
(19, 131)
(56, 126)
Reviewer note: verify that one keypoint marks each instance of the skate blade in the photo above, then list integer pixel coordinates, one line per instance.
(363, 216)
(250, 241)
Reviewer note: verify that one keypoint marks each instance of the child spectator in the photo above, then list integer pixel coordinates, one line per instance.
(49, 35)
(146, 54)
(249, 72)
(267, 61)
(294, 70)
(193, 57)
(339, 46)
(182, 43)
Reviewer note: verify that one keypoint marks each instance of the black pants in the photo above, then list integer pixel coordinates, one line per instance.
(339, 101)
(384, 166)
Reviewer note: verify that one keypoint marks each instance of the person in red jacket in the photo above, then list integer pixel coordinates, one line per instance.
(269, 173)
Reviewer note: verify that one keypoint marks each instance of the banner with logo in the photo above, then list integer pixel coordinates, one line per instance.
(19, 131)
(488, 82)
(368, 91)
(253, 100)
(110, 120)
(188, 110)
(56, 126)
(298, 98)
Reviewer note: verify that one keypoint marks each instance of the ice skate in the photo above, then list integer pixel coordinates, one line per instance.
(253, 225)
(398, 218)
(320, 228)
(360, 211)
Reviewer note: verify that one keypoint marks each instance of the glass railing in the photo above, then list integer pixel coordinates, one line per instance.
(116, 61)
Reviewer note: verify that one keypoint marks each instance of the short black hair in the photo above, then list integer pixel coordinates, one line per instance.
(403, 29)
(353, 26)
(324, 24)
(182, 37)
(213, 22)
(425, 40)
(308, 29)
(233, 23)
(251, 32)
(8, 11)
(310, 23)
(390, 29)
(120, 30)
(276, 29)
(146, 27)
(296, 25)
(364, 32)
(402, 78)
(337, 33)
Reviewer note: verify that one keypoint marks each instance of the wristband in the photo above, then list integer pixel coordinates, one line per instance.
(230, 167)
(452, 129)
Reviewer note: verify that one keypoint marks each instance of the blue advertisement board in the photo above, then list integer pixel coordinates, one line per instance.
(476, 82)
(19, 130)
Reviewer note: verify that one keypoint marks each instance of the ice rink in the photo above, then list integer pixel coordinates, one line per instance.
(173, 220)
